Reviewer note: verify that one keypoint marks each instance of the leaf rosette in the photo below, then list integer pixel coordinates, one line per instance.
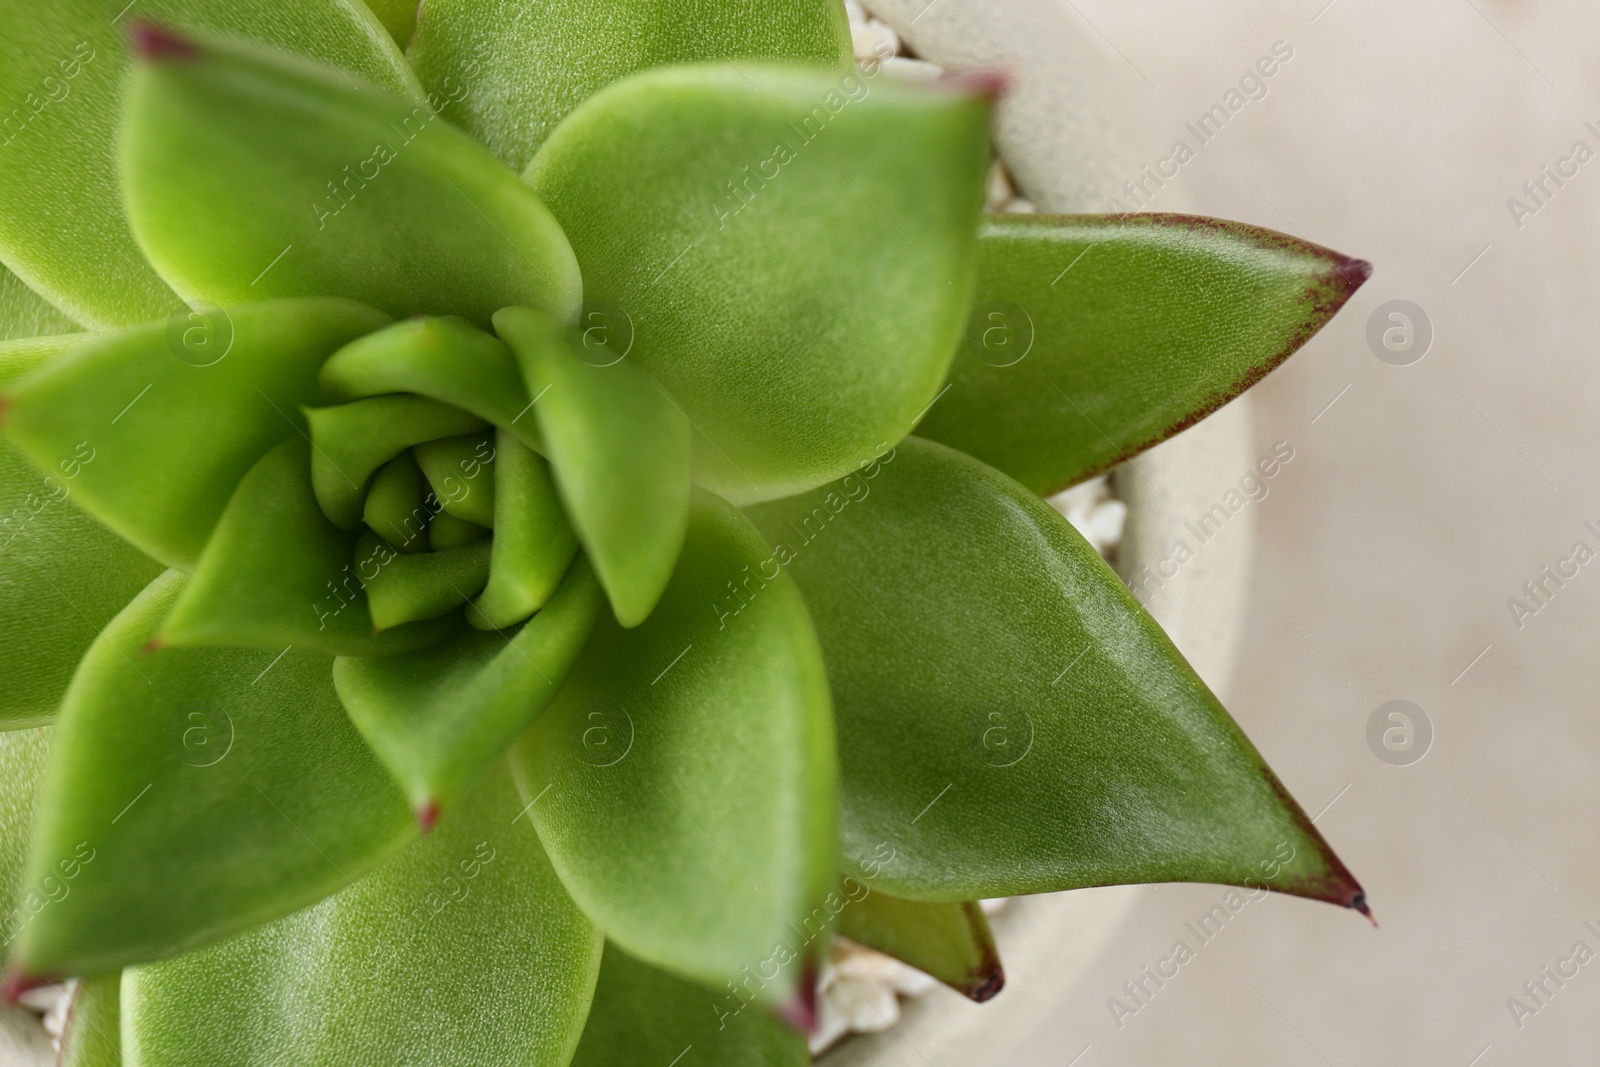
(376, 466)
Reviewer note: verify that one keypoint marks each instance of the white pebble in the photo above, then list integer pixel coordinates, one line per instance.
(913, 70)
(997, 190)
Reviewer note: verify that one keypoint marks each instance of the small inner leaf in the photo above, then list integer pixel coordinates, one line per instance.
(396, 508)
(447, 531)
(533, 542)
(619, 449)
(351, 441)
(437, 719)
(428, 585)
(461, 472)
(276, 573)
(92, 1034)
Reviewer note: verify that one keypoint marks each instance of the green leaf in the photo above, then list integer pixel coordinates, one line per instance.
(533, 542)
(644, 1016)
(1010, 719)
(463, 951)
(201, 791)
(437, 719)
(1094, 337)
(276, 572)
(447, 531)
(619, 449)
(427, 585)
(947, 941)
(93, 1033)
(314, 185)
(687, 769)
(22, 759)
(447, 359)
(170, 438)
(62, 74)
(682, 190)
(24, 313)
(511, 72)
(351, 441)
(455, 468)
(396, 509)
(399, 17)
(52, 602)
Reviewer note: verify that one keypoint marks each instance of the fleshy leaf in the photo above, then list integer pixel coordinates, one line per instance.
(52, 603)
(170, 438)
(447, 359)
(399, 17)
(533, 542)
(92, 1036)
(525, 66)
(24, 313)
(1094, 337)
(351, 441)
(276, 573)
(1053, 739)
(456, 472)
(22, 760)
(396, 506)
(437, 719)
(682, 189)
(201, 792)
(428, 585)
(313, 184)
(642, 1015)
(447, 531)
(62, 74)
(947, 941)
(687, 769)
(619, 449)
(464, 950)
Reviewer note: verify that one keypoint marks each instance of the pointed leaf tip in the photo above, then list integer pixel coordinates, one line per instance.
(157, 44)
(15, 983)
(1360, 904)
(799, 1012)
(5, 408)
(992, 83)
(990, 986)
(428, 816)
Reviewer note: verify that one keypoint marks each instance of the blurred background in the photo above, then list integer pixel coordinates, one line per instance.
(1421, 498)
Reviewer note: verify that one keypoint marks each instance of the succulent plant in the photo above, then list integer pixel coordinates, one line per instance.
(469, 593)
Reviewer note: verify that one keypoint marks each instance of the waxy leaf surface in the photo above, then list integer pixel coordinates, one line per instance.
(24, 313)
(22, 759)
(62, 574)
(437, 719)
(201, 792)
(533, 542)
(525, 64)
(947, 941)
(1093, 337)
(63, 66)
(464, 950)
(642, 1015)
(249, 175)
(92, 1036)
(682, 191)
(619, 450)
(1010, 719)
(683, 779)
(170, 438)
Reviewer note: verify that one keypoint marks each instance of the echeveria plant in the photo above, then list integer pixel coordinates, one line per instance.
(469, 595)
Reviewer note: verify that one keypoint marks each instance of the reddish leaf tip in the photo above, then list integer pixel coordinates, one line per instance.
(158, 44)
(1359, 903)
(155, 644)
(5, 408)
(989, 988)
(800, 1010)
(428, 816)
(15, 983)
(989, 83)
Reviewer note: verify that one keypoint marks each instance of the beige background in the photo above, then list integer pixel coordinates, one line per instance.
(1416, 505)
